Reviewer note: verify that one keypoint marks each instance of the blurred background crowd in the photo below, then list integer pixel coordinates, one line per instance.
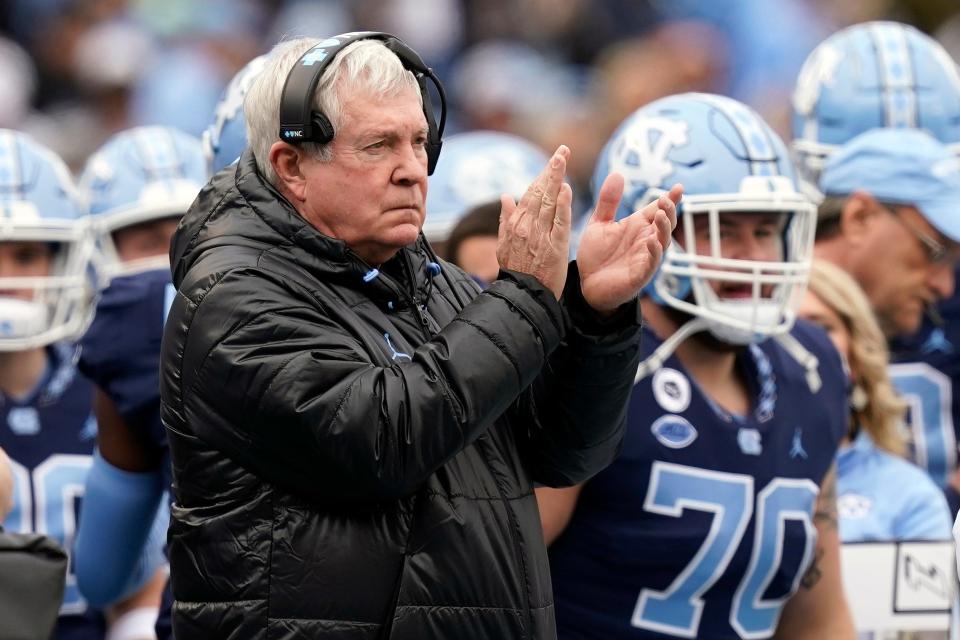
(74, 72)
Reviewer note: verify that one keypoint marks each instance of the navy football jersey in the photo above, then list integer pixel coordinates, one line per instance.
(121, 352)
(703, 526)
(50, 437)
(925, 371)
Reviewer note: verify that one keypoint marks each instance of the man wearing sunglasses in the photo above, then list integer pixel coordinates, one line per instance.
(891, 218)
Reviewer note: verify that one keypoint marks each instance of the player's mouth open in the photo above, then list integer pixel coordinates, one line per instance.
(736, 290)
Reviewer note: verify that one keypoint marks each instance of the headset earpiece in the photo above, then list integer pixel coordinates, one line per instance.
(322, 128)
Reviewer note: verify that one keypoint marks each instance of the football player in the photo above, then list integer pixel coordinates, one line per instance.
(47, 287)
(886, 74)
(718, 519)
(139, 185)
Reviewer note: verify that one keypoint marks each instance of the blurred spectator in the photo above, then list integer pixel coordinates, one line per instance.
(18, 79)
(473, 243)
(579, 29)
(880, 496)
(489, 79)
(180, 89)
(434, 28)
(106, 61)
(306, 18)
(676, 58)
(204, 45)
(948, 34)
(767, 42)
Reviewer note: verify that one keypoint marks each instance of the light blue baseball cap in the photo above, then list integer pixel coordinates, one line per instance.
(901, 166)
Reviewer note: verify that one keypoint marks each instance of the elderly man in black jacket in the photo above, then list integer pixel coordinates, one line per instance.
(356, 429)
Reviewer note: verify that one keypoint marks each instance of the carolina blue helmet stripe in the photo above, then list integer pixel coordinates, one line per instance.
(896, 75)
(759, 148)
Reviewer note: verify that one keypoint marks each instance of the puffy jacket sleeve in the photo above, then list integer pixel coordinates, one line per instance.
(575, 412)
(270, 377)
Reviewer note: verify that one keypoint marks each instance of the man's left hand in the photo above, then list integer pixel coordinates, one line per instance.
(616, 259)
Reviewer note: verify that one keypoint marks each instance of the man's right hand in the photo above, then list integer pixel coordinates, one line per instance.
(534, 234)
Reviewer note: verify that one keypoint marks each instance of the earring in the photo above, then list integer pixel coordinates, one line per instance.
(858, 398)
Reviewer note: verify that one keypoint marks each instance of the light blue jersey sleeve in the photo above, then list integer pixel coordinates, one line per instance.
(122, 534)
(881, 497)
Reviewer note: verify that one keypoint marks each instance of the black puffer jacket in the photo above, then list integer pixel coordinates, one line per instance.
(349, 465)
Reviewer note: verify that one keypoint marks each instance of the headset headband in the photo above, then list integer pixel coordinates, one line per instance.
(300, 123)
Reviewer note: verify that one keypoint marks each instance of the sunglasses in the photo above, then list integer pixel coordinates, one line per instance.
(938, 252)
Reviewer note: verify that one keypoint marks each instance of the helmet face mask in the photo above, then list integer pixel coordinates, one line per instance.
(747, 292)
(738, 185)
(872, 75)
(43, 206)
(139, 176)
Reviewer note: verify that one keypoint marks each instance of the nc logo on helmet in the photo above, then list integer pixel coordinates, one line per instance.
(640, 153)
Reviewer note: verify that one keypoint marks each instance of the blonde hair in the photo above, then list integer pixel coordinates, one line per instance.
(882, 416)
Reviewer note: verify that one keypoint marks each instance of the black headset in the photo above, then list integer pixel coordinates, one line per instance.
(300, 123)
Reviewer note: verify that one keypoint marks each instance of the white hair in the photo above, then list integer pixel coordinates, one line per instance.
(366, 65)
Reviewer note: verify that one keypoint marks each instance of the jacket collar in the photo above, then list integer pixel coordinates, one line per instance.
(220, 217)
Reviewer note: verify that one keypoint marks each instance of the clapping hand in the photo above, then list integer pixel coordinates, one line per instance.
(618, 258)
(534, 235)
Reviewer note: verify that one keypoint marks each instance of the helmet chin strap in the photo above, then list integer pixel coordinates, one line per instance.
(661, 353)
(790, 344)
(803, 357)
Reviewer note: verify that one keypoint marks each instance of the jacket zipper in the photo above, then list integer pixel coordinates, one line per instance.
(428, 331)
(413, 298)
